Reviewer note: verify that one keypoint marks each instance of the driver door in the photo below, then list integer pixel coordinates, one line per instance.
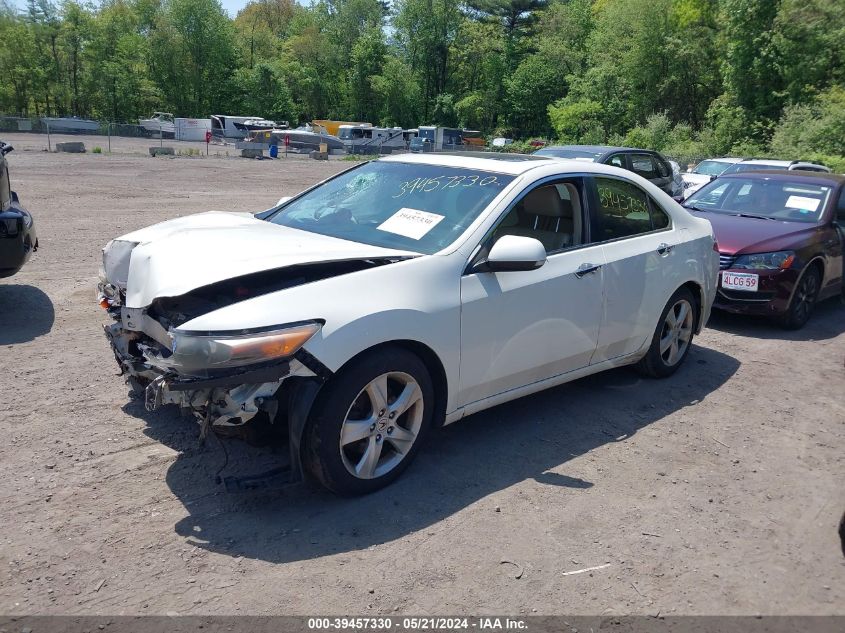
(521, 327)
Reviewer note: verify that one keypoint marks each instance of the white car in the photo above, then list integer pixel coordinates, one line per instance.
(406, 293)
(704, 172)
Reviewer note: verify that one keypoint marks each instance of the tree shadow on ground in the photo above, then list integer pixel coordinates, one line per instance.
(461, 463)
(26, 313)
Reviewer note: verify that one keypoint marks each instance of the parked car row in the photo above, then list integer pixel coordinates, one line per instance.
(410, 291)
(652, 166)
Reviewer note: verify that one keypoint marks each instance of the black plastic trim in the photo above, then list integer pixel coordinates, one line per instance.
(250, 377)
(312, 363)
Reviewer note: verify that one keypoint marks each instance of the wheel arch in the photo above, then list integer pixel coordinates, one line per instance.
(698, 295)
(435, 369)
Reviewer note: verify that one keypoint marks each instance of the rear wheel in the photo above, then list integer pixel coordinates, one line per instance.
(803, 300)
(672, 336)
(369, 421)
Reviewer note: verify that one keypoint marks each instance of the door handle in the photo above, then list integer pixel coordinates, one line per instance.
(664, 249)
(586, 269)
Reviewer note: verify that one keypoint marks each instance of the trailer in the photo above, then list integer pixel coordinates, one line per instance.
(360, 139)
(223, 126)
(433, 138)
(191, 129)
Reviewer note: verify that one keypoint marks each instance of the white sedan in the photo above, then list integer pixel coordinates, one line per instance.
(402, 294)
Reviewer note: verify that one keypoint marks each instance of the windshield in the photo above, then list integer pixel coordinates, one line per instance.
(561, 152)
(790, 200)
(420, 208)
(710, 168)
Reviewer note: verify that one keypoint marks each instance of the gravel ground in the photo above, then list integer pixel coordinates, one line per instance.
(717, 491)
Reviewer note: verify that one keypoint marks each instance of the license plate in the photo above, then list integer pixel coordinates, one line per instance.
(740, 281)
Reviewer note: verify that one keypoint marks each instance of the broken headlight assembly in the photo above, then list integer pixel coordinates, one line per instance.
(194, 351)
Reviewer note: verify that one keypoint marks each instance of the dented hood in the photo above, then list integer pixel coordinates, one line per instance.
(177, 256)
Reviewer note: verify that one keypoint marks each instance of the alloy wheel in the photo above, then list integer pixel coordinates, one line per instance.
(677, 332)
(382, 425)
(805, 296)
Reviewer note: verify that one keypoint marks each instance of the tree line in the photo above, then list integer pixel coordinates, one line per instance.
(694, 77)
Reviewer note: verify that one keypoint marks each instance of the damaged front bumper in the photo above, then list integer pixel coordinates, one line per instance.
(222, 398)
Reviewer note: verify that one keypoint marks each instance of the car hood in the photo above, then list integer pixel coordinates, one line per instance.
(749, 235)
(174, 257)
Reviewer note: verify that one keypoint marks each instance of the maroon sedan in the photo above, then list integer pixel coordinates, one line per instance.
(781, 236)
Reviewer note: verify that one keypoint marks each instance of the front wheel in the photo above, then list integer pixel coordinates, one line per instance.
(803, 300)
(369, 421)
(672, 337)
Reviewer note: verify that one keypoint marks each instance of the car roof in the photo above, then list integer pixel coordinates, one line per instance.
(817, 177)
(725, 159)
(599, 149)
(766, 161)
(503, 163)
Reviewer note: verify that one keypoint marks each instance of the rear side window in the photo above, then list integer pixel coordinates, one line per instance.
(645, 166)
(624, 210)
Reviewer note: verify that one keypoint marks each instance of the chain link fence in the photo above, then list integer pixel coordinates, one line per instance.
(184, 136)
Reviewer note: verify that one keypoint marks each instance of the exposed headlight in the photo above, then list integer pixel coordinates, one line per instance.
(765, 261)
(192, 351)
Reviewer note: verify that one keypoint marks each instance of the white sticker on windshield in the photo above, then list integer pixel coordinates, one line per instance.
(411, 223)
(800, 202)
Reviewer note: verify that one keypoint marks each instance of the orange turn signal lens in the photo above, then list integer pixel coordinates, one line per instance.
(787, 262)
(104, 303)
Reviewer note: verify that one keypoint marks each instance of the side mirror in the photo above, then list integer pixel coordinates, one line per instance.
(712, 177)
(283, 199)
(513, 253)
(15, 197)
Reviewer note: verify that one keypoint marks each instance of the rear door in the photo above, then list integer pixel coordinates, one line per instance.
(642, 253)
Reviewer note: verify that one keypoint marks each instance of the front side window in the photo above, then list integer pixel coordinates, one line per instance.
(420, 208)
(624, 210)
(775, 198)
(550, 213)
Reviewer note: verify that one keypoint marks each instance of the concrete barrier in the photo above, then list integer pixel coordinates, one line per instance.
(162, 151)
(252, 153)
(319, 155)
(72, 147)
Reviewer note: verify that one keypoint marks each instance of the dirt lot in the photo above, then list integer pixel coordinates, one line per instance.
(717, 491)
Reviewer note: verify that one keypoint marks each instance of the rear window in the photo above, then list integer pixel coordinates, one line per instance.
(710, 168)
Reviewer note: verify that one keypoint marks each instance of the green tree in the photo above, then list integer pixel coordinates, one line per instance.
(750, 67)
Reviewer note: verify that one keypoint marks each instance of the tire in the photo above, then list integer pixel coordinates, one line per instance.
(661, 361)
(803, 300)
(352, 447)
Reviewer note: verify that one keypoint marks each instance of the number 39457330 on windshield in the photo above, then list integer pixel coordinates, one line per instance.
(427, 185)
